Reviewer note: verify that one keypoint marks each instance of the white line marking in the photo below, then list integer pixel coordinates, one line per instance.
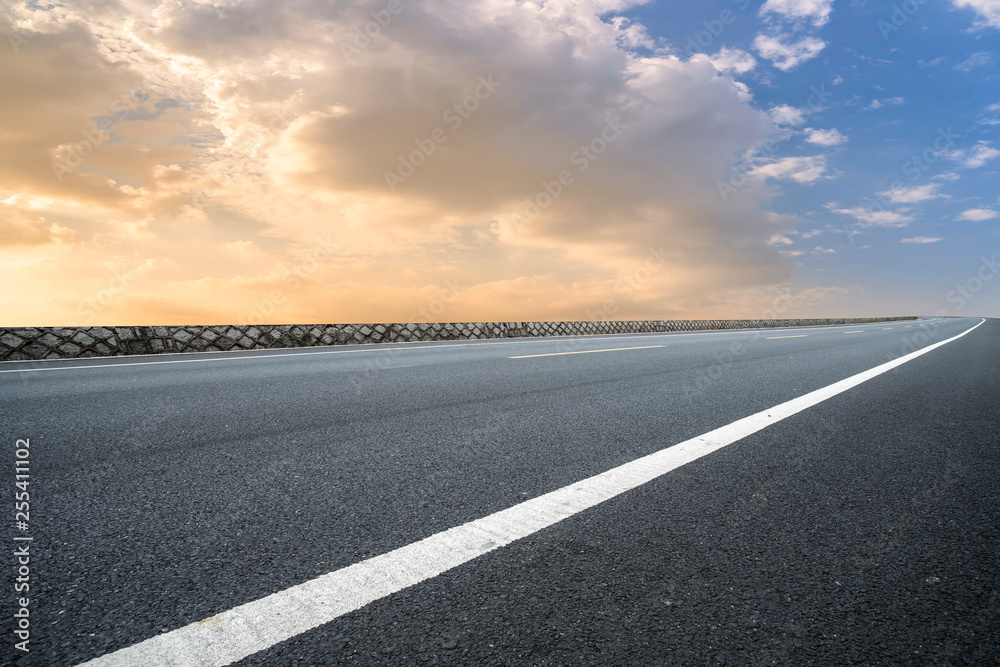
(383, 347)
(242, 631)
(559, 354)
(798, 336)
(850, 332)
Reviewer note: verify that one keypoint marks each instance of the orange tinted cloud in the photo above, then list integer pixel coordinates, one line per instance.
(259, 162)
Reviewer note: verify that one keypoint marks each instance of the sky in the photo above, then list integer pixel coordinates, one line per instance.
(169, 162)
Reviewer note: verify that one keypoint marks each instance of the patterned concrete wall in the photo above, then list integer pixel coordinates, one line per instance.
(63, 343)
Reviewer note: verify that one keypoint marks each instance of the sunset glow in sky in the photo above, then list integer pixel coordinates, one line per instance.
(325, 161)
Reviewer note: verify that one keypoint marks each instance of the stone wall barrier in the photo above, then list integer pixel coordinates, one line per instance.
(31, 343)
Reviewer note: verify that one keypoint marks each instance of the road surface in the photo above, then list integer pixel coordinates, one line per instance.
(175, 498)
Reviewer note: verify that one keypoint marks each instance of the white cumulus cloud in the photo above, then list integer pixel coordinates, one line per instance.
(913, 195)
(978, 215)
(787, 115)
(785, 52)
(974, 157)
(797, 169)
(733, 60)
(815, 11)
(988, 11)
(876, 218)
(831, 137)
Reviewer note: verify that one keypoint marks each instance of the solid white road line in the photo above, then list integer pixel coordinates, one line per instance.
(562, 354)
(202, 357)
(258, 625)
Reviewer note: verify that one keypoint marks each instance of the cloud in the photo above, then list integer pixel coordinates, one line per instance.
(798, 169)
(20, 227)
(921, 239)
(988, 11)
(978, 215)
(830, 137)
(975, 60)
(982, 153)
(633, 35)
(786, 54)
(974, 157)
(246, 251)
(787, 115)
(816, 11)
(733, 60)
(258, 135)
(914, 194)
(61, 82)
(878, 104)
(925, 64)
(876, 218)
(991, 109)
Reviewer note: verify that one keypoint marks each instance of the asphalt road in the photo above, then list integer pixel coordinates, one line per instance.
(862, 530)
